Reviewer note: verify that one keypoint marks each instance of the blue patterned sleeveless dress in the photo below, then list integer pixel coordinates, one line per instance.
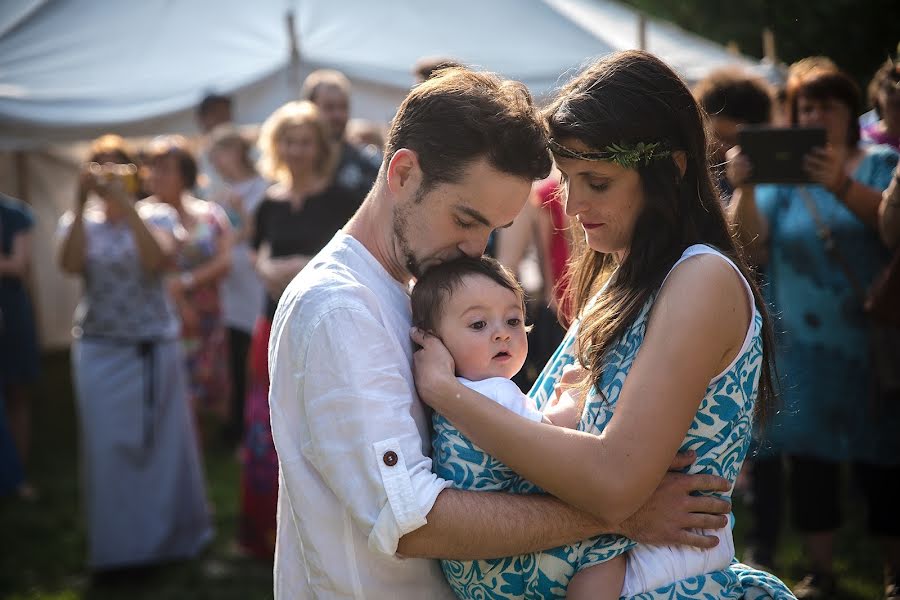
(719, 434)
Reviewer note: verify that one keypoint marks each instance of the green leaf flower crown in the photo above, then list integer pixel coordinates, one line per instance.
(626, 156)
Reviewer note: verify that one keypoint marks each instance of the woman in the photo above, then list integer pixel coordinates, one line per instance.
(656, 271)
(202, 261)
(299, 215)
(18, 336)
(884, 96)
(816, 288)
(239, 193)
(144, 491)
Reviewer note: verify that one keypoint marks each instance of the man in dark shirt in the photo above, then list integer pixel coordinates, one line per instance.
(329, 90)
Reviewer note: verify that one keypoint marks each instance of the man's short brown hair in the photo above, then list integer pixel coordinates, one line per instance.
(432, 289)
(460, 116)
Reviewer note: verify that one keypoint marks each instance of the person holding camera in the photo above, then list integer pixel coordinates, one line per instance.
(144, 492)
(821, 249)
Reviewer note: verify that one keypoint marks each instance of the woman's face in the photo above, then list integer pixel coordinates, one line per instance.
(298, 148)
(889, 98)
(605, 199)
(228, 159)
(830, 113)
(164, 179)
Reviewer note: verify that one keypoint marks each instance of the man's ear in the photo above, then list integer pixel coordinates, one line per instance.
(403, 172)
(680, 159)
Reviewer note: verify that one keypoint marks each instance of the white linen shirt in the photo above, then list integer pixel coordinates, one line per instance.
(351, 434)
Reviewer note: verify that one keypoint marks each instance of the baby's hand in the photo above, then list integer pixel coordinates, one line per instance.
(562, 410)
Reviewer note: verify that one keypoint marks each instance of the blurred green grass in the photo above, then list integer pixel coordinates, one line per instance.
(42, 544)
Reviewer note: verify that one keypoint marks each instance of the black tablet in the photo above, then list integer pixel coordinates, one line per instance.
(776, 153)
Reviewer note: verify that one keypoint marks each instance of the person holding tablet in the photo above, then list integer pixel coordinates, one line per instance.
(821, 246)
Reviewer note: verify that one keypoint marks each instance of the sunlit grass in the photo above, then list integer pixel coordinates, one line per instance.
(42, 544)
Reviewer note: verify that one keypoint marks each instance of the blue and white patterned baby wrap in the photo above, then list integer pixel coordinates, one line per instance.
(719, 434)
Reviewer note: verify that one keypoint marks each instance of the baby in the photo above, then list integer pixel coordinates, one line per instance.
(477, 309)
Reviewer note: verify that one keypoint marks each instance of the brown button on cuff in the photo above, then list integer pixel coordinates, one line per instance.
(390, 458)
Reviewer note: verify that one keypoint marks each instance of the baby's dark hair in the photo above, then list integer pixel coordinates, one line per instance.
(438, 283)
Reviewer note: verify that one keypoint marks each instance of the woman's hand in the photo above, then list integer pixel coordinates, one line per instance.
(433, 368)
(826, 166)
(737, 167)
(87, 183)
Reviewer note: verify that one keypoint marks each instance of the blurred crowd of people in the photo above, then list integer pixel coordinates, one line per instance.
(185, 248)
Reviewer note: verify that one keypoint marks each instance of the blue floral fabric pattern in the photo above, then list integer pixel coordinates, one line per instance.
(720, 435)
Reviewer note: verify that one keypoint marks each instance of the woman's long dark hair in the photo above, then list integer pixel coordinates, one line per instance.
(626, 98)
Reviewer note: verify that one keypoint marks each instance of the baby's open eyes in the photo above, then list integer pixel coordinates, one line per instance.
(479, 325)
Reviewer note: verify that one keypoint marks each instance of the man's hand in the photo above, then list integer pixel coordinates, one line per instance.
(671, 513)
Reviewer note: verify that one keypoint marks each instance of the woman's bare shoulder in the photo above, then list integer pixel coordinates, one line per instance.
(705, 294)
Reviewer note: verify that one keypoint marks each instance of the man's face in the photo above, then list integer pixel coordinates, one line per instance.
(483, 328)
(455, 219)
(334, 105)
(217, 114)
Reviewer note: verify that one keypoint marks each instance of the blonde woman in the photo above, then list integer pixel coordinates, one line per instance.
(299, 215)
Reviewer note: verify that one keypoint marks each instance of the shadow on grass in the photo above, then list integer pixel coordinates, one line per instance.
(42, 544)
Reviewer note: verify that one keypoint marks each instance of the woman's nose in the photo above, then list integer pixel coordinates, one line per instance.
(572, 205)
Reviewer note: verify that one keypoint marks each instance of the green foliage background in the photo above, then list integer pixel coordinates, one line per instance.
(857, 34)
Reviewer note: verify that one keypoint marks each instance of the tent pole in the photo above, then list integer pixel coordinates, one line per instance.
(768, 41)
(642, 32)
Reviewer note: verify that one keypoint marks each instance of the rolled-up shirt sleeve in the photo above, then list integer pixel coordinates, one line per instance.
(356, 406)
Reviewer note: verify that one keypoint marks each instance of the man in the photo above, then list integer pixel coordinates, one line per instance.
(214, 110)
(359, 510)
(329, 90)
(427, 66)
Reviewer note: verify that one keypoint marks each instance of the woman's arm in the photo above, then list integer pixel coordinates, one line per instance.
(154, 251)
(16, 264)
(73, 248)
(218, 266)
(827, 166)
(277, 273)
(698, 324)
(889, 212)
(752, 227)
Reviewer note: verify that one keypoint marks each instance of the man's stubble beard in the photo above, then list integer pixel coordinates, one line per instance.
(401, 240)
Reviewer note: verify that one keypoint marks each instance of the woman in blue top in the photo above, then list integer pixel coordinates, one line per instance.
(671, 336)
(19, 356)
(829, 414)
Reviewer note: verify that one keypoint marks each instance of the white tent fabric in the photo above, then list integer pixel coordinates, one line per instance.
(71, 70)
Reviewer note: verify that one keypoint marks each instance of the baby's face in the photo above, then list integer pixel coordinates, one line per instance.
(483, 327)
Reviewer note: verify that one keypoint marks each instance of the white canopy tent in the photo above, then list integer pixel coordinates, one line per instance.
(71, 70)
